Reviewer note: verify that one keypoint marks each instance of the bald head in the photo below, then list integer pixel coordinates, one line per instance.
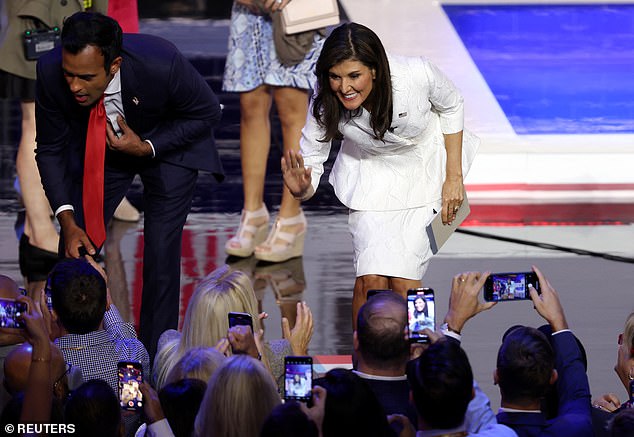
(18, 363)
(380, 332)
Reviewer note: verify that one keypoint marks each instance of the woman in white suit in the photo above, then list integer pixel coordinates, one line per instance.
(403, 154)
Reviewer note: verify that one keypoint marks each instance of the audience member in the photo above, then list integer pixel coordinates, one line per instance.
(381, 351)
(527, 365)
(180, 401)
(239, 397)
(94, 337)
(94, 410)
(206, 324)
(351, 407)
(441, 381)
(8, 338)
(18, 364)
(624, 369)
(289, 420)
(197, 363)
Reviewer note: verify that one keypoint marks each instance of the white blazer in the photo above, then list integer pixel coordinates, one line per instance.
(407, 169)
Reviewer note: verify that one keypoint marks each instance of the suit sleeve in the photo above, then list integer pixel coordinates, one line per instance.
(314, 152)
(53, 132)
(572, 383)
(194, 107)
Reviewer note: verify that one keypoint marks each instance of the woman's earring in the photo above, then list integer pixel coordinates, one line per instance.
(629, 375)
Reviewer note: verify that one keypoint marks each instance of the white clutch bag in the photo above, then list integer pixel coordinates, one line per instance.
(303, 15)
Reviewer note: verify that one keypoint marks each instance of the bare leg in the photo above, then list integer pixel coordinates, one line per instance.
(361, 286)
(292, 107)
(39, 226)
(255, 142)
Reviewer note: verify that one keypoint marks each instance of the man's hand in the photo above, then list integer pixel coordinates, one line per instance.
(317, 411)
(547, 304)
(463, 301)
(301, 334)
(74, 236)
(129, 142)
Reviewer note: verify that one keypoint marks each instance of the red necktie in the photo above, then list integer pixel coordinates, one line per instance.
(93, 174)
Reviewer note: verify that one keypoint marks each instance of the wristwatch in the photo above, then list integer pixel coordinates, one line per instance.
(445, 328)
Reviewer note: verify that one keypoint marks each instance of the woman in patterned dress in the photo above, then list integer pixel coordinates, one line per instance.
(254, 70)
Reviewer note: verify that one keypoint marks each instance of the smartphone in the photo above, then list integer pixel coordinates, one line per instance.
(130, 375)
(11, 311)
(421, 314)
(298, 378)
(509, 286)
(240, 319)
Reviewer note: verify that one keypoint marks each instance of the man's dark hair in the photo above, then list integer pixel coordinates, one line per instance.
(351, 407)
(441, 381)
(94, 410)
(525, 364)
(84, 29)
(180, 401)
(380, 330)
(78, 293)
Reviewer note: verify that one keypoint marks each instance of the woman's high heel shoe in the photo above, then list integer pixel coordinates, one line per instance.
(249, 233)
(285, 241)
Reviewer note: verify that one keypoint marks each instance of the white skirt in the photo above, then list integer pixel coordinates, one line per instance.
(391, 243)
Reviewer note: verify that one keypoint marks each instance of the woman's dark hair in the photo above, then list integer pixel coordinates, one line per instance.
(353, 42)
(94, 410)
(84, 29)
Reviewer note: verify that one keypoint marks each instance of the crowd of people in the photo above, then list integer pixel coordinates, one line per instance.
(214, 380)
(101, 121)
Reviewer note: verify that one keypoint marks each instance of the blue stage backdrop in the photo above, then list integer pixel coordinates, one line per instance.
(555, 69)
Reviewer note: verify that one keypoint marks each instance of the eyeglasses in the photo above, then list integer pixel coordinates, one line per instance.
(69, 366)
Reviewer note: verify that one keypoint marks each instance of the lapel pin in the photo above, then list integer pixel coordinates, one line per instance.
(135, 100)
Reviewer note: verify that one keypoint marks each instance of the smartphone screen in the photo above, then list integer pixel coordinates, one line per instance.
(240, 319)
(509, 286)
(298, 378)
(421, 313)
(130, 377)
(11, 312)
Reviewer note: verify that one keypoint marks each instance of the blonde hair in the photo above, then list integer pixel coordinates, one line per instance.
(222, 291)
(240, 395)
(628, 334)
(197, 363)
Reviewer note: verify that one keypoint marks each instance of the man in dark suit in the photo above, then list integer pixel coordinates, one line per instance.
(160, 113)
(528, 364)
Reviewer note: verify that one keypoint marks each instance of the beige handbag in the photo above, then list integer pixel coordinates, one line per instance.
(302, 15)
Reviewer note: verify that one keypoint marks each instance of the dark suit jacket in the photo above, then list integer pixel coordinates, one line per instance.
(574, 416)
(165, 100)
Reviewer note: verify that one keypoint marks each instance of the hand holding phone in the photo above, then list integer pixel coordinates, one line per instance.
(298, 378)
(130, 375)
(420, 314)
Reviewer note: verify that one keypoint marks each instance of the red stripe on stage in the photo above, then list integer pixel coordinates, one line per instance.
(549, 187)
(575, 214)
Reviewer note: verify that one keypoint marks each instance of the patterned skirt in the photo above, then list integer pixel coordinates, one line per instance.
(252, 61)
